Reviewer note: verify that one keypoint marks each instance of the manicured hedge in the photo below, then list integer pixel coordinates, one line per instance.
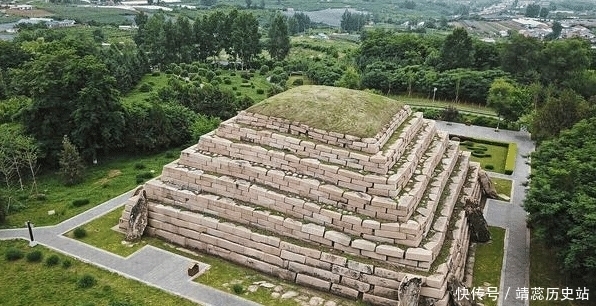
(511, 155)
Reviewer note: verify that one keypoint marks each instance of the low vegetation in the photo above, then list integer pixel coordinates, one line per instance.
(503, 186)
(76, 281)
(491, 155)
(489, 262)
(108, 179)
(333, 109)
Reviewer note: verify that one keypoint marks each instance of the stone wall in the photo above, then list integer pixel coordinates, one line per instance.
(241, 136)
(369, 145)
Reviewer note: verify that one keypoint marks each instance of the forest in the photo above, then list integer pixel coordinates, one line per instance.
(62, 106)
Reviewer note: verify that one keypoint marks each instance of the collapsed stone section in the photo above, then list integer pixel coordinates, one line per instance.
(344, 214)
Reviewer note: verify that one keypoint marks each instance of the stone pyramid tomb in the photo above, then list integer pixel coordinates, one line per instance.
(341, 190)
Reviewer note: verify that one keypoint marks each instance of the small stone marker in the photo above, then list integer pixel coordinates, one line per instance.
(193, 269)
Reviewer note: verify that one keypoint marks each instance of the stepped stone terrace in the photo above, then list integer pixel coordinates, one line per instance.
(341, 190)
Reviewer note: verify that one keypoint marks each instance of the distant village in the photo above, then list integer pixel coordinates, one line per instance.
(574, 24)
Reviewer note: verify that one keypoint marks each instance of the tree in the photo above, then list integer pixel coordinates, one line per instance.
(349, 79)
(521, 58)
(561, 200)
(352, 22)
(458, 51)
(279, 40)
(245, 33)
(561, 59)
(71, 164)
(509, 101)
(560, 111)
(543, 12)
(533, 10)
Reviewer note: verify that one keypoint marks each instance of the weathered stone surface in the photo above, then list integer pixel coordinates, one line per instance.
(488, 188)
(409, 291)
(478, 226)
(137, 220)
(454, 286)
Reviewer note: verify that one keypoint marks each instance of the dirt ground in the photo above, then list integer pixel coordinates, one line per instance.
(29, 13)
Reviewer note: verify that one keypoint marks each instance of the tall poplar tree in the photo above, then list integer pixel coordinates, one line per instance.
(279, 39)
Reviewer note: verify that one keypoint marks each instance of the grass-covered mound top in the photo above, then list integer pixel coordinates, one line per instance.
(340, 110)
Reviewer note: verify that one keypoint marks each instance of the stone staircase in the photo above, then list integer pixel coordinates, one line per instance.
(328, 210)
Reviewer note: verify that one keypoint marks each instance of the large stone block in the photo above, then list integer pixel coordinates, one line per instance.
(310, 281)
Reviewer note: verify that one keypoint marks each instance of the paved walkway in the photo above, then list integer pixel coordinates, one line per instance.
(511, 216)
(150, 265)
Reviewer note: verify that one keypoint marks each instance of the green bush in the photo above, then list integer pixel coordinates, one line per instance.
(467, 143)
(13, 254)
(79, 233)
(139, 166)
(510, 160)
(260, 91)
(34, 256)
(489, 167)
(264, 69)
(144, 176)
(237, 288)
(86, 281)
(234, 88)
(156, 73)
(298, 82)
(66, 264)
(480, 148)
(227, 81)
(52, 260)
(80, 202)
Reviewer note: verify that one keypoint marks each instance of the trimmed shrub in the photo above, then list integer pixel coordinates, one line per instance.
(298, 82)
(227, 81)
(66, 264)
(489, 167)
(52, 260)
(34, 256)
(79, 233)
(156, 73)
(510, 160)
(13, 254)
(86, 281)
(234, 88)
(237, 288)
(80, 202)
(260, 91)
(139, 166)
(480, 148)
(480, 154)
(264, 69)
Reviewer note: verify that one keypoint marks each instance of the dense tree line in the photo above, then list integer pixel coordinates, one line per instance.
(182, 41)
(352, 22)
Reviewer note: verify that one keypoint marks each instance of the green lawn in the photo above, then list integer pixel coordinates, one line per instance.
(221, 275)
(498, 155)
(24, 283)
(503, 186)
(110, 178)
(489, 261)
